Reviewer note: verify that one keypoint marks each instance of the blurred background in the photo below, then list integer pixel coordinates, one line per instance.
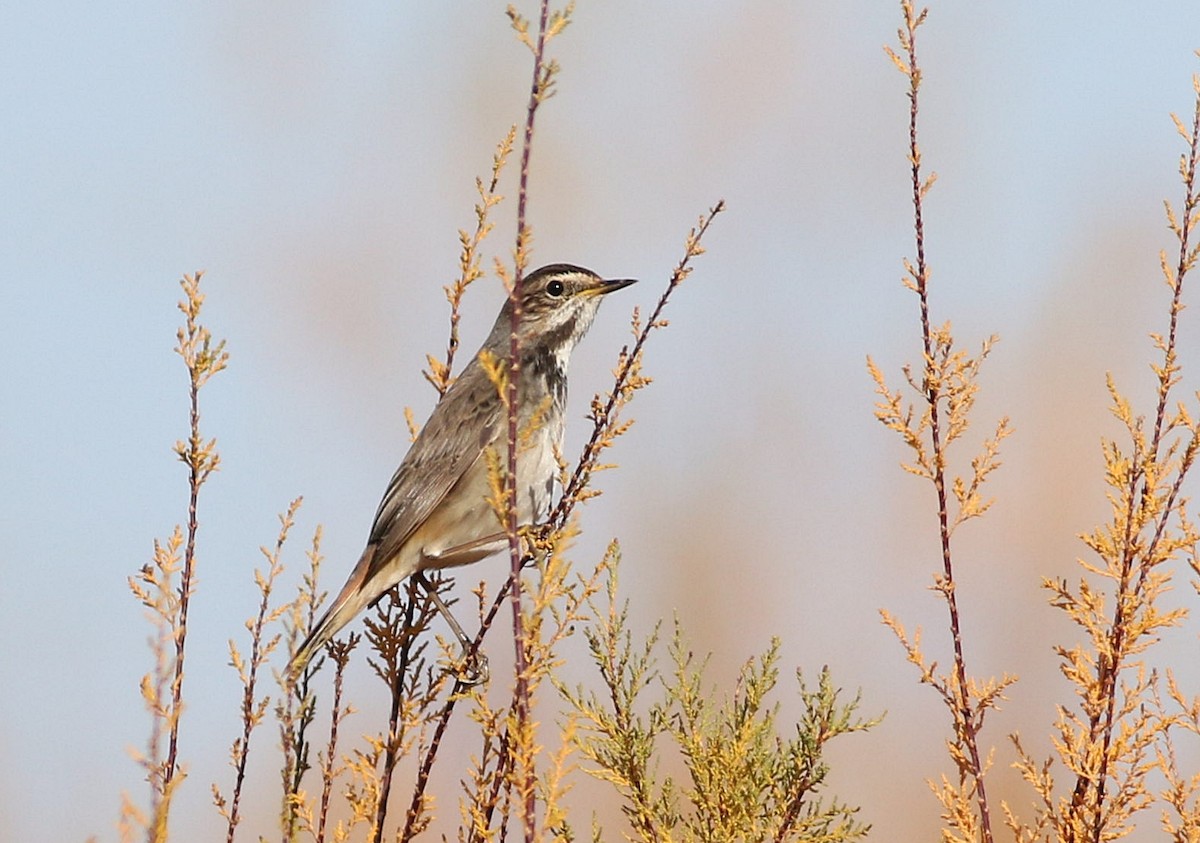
(317, 162)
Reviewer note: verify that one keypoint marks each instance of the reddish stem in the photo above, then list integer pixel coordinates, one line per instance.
(521, 668)
(933, 396)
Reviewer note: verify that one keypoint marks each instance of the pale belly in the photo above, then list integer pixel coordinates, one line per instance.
(465, 527)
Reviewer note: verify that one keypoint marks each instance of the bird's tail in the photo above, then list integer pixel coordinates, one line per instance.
(352, 599)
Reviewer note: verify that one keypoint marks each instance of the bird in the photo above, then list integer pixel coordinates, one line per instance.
(435, 512)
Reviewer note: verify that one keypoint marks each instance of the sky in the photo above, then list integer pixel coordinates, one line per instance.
(317, 162)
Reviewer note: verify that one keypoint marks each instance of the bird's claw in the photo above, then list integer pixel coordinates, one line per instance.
(473, 669)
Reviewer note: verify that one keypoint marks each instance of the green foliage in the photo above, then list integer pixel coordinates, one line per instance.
(744, 779)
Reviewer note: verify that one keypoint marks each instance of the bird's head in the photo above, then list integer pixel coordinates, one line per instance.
(558, 304)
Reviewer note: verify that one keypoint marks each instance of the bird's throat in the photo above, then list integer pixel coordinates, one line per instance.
(546, 376)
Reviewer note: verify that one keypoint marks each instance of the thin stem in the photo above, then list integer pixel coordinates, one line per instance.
(203, 360)
(185, 583)
(1182, 266)
(933, 397)
(298, 708)
(501, 779)
(442, 375)
(339, 652)
(259, 651)
(396, 727)
(295, 746)
(605, 419)
(443, 717)
(1108, 668)
(521, 667)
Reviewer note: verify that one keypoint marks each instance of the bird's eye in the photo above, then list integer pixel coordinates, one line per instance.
(555, 288)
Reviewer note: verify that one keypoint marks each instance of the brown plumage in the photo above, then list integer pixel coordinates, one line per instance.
(434, 513)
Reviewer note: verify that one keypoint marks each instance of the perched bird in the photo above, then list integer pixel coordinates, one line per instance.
(435, 512)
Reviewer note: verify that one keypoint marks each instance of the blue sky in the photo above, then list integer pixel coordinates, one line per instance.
(318, 161)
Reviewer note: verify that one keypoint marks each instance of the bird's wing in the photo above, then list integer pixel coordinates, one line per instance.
(463, 424)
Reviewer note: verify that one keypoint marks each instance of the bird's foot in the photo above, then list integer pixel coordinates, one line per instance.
(473, 669)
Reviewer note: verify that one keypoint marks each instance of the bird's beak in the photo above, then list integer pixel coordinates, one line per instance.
(612, 285)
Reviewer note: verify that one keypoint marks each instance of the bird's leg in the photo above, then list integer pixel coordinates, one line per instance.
(475, 662)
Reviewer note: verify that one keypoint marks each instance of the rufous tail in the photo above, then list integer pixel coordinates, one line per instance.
(353, 599)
